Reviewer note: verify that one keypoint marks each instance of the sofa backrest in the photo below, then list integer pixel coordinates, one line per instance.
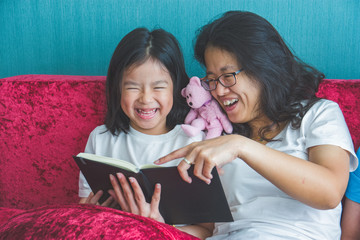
(45, 119)
(347, 94)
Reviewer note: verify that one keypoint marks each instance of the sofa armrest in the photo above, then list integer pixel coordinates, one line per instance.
(82, 221)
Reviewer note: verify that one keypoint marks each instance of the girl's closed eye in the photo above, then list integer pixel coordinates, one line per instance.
(162, 84)
(131, 86)
(160, 87)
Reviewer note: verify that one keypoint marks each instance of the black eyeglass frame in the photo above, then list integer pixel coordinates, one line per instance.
(205, 81)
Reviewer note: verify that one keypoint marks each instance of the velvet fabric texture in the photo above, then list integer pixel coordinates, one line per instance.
(347, 94)
(44, 120)
(82, 221)
(7, 213)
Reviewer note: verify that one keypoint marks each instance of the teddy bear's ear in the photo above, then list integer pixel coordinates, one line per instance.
(183, 92)
(195, 80)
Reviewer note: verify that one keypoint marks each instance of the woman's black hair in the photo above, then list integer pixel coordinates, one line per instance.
(134, 49)
(288, 85)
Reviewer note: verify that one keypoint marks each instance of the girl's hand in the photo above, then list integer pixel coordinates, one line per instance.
(205, 155)
(94, 199)
(131, 198)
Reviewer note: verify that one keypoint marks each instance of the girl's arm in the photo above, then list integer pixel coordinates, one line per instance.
(319, 182)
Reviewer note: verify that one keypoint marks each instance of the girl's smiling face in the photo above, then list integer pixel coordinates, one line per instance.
(147, 97)
(241, 101)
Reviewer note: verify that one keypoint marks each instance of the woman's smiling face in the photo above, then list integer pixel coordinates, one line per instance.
(241, 101)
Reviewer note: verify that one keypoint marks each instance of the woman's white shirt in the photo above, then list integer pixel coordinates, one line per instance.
(261, 210)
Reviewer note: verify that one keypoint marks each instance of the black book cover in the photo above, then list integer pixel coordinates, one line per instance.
(181, 202)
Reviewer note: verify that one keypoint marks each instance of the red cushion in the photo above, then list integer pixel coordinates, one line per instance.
(80, 221)
(6, 213)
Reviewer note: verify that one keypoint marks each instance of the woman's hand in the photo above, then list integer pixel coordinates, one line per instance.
(205, 155)
(131, 198)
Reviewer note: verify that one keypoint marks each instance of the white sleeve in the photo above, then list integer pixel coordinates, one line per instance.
(325, 124)
(84, 188)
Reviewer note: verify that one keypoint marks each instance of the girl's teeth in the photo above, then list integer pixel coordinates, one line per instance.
(146, 112)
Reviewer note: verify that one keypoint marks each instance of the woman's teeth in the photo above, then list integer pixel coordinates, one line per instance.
(229, 102)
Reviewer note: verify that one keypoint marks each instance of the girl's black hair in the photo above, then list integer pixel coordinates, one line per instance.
(288, 85)
(134, 49)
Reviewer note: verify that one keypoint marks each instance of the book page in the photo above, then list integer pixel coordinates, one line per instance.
(147, 166)
(110, 161)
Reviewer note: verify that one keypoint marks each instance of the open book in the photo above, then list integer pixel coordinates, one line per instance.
(180, 203)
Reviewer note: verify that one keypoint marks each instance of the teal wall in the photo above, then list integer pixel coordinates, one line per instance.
(77, 37)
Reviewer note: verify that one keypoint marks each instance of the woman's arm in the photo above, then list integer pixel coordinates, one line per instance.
(319, 182)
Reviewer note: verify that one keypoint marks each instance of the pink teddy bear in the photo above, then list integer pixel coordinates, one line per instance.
(205, 113)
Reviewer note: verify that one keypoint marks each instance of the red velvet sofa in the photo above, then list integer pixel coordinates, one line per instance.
(44, 120)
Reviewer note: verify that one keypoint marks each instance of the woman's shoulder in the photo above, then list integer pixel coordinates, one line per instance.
(325, 103)
(324, 107)
(323, 111)
(324, 124)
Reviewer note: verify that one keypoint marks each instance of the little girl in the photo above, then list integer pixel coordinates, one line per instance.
(144, 113)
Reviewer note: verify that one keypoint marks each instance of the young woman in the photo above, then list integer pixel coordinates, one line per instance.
(286, 167)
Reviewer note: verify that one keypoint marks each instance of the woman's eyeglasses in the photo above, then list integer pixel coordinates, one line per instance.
(226, 79)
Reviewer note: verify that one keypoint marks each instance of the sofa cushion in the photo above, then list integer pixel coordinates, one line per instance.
(6, 213)
(80, 221)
